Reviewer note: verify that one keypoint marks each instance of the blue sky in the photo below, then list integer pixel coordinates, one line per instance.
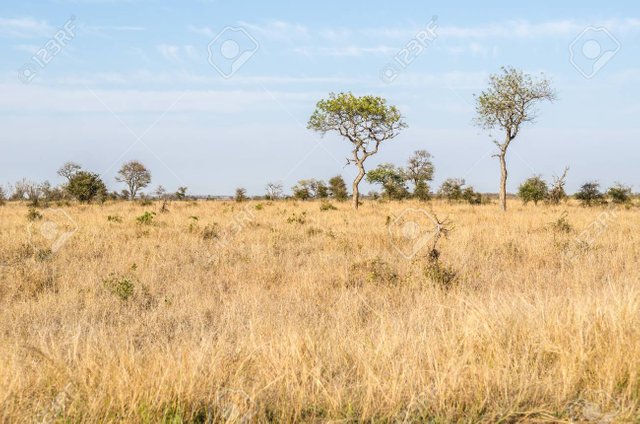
(133, 79)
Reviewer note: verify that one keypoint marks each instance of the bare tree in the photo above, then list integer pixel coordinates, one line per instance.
(508, 103)
(135, 176)
(274, 191)
(556, 193)
(69, 169)
(366, 122)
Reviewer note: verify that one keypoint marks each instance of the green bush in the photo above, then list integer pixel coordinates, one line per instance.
(146, 218)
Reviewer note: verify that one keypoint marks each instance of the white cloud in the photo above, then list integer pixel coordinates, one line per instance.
(24, 28)
(169, 52)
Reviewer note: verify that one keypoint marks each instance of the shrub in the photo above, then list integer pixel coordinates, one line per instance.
(211, 232)
(451, 189)
(327, 206)
(375, 271)
(3, 196)
(146, 218)
(561, 224)
(619, 194)
(472, 197)
(590, 194)
(392, 179)
(86, 187)
(534, 190)
(114, 218)
(33, 215)
(122, 286)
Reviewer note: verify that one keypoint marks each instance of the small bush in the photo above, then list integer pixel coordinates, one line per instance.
(33, 215)
(146, 218)
(373, 271)
(211, 232)
(122, 286)
(297, 219)
(619, 194)
(561, 225)
(327, 206)
(114, 218)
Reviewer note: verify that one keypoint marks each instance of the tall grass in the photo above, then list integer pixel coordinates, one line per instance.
(287, 312)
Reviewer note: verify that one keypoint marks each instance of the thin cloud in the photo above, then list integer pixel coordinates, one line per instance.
(24, 28)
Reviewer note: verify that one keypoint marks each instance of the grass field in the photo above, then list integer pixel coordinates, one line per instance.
(283, 312)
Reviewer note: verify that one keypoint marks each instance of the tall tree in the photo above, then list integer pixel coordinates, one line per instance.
(135, 175)
(366, 122)
(420, 171)
(508, 103)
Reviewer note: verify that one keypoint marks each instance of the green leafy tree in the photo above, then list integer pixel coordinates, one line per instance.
(302, 190)
(420, 171)
(338, 188)
(619, 194)
(471, 196)
(534, 190)
(392, 180)
(366, 122)
(506, 105)
(451, 189)
(590, 194)
(86, 186)
(135, 175)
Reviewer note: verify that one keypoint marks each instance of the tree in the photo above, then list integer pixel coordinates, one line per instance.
(557, 194)
(28, 190)
(366, 122)
(302, 190)
(181, 193)
(392, 180)
(135, 176)
(3, 196)
(69, 169)
(471, 196)
(420, 171)
(508, 104)
(451, 189)
(320, 190)
(86, 186)
(338, 188)
(534, 190)
(274, 191)
(241, 194)
(590, 194)
(619, 194)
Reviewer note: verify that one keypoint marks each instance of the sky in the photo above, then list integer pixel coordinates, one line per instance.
(215, 95)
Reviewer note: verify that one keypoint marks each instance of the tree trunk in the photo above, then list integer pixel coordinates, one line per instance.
(503, 180)
(356, 193)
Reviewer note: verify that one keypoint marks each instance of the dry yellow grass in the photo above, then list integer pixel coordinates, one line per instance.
(298, 314)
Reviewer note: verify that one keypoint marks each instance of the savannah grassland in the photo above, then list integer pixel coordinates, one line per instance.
(302, 314)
